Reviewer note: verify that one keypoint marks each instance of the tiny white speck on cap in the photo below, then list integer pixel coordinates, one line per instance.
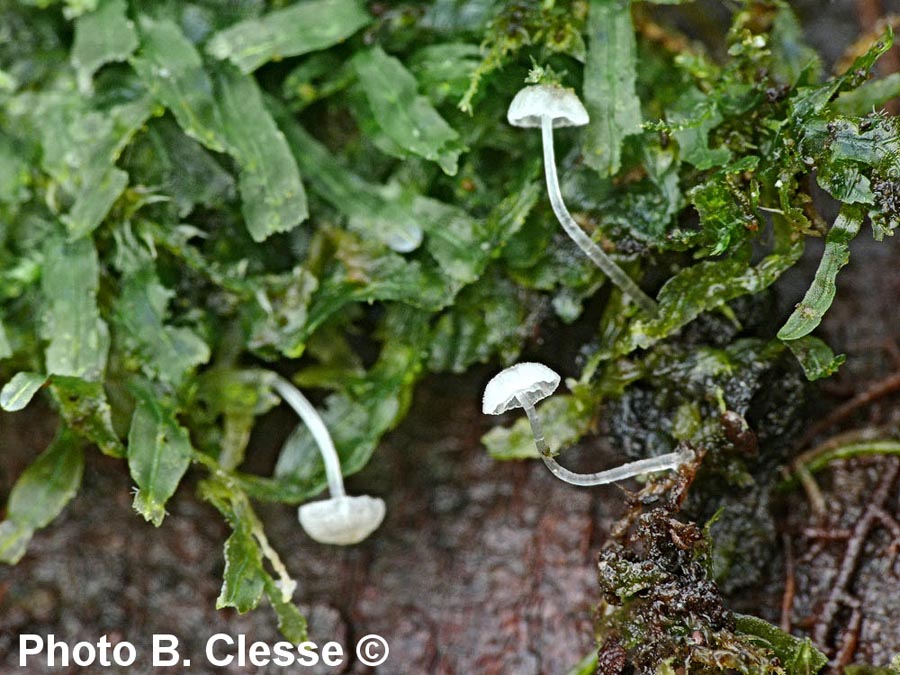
(342, 520)
(534, 380)
(533, 103)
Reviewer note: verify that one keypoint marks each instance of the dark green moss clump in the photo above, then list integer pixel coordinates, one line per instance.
(661, 611)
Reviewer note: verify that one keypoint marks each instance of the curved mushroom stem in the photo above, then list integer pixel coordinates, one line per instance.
(313, 421)
(585, 243)
(665, 462)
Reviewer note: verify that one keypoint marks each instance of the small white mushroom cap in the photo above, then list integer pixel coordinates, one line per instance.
(547, 100)
(342, 520)
(532, 380)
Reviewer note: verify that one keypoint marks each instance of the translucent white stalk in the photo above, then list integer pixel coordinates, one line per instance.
(584, 242)
(313, 421)
(665, 462)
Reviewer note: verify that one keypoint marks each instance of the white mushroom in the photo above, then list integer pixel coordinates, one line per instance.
(548, 106)
(341, 519)
(522, 386)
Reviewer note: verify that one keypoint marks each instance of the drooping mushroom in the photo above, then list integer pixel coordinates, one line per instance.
(548, 106)
(524, 385)
(341, 519)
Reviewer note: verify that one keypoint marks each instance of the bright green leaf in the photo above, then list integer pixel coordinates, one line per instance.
(103, 36)
(699, 288)
(159, 452)
(272, 196)
(815, 357)
(172, 69)
(19, 391)
(242, 580)
(291, 623)
(298, 29)
(870, 96)
(798, 656)
(371, 211)
(78, 337)
(609, 84)
(407, 118)
(166, 352)
(85, 410)
(40, 494)
(818, 298)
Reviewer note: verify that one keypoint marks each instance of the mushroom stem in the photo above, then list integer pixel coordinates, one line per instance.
(313, 421)
(665, 462)
(584, 242)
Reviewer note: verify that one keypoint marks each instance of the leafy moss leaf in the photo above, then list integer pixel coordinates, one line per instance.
(277, 321)
(103, 36)
(245, 577)
(408, 119)
(80, 145)
(165, 352)
(815, 357)
(370, 209)
(19, 391)
(870, 96)
(291, 31)
(723, 217)
(186, 172)
(272, 196)
(86, 411)
(798, 656)
(820, 295)
(225, 113)
(172, 70)
(242, 580)
(480, 323)
(694, 117)
(40, 494)
(702, 287)
(78, 339)
(609, 84)
(159, 452)
(5, 348)
(291, 623)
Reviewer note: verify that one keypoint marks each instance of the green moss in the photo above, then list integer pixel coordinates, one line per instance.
(189, 190)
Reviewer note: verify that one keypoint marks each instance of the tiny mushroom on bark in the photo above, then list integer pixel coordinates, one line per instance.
(548, 106)
(522, 386)
(341, 519)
